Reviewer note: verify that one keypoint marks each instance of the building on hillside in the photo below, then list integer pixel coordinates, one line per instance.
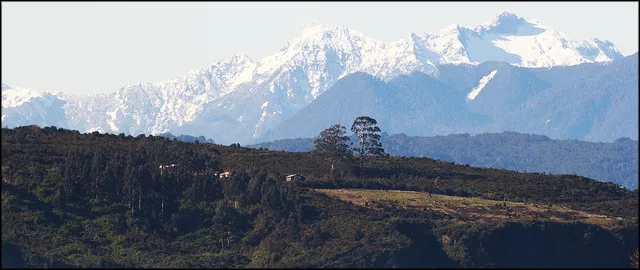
(165, 167)
(225, 174)
(294, 177)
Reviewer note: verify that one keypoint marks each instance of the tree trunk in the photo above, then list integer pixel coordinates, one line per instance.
(361, 150)
(332, 162)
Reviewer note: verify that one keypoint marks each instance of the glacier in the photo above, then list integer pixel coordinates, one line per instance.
(475, 91)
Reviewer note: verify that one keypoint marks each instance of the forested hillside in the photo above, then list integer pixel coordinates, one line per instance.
(615, 162)
(100, 200)
(186, 138)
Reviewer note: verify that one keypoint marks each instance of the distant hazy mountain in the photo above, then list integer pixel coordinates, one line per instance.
(595, 102)
(238, 99)
(616, 162)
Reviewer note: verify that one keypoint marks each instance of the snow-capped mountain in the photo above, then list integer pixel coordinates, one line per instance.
(512, 39)
(595, 102)
(237, 99)
(25, 107)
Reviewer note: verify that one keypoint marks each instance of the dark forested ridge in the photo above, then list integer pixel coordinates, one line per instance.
(186, 138)
(100, 200)
(616, 162)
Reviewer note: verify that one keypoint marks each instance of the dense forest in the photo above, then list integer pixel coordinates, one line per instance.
(103, 200)
(615, 162)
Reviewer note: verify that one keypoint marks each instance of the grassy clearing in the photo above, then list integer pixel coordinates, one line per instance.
(466, 208)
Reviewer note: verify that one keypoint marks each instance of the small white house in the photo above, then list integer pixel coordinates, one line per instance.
(294, 177)
(164, 167)
(225, 174)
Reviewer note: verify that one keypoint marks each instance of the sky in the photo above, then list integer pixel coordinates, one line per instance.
(98, 47)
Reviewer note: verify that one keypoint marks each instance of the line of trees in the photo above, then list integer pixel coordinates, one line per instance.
(334, 142)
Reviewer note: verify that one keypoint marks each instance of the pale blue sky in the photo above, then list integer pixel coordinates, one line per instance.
(93, 47)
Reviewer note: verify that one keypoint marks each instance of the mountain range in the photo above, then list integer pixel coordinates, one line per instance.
(242, 100)
(593, 102)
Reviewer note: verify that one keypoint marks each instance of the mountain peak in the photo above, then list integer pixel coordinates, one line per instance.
(313, 29)
(505, 14)
(240, 57)
(503, 22)
(5, 86)
(319, 34)
(454, 26)
(414, 37)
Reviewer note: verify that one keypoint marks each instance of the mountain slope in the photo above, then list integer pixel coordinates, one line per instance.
(579, 102)
(416, 104)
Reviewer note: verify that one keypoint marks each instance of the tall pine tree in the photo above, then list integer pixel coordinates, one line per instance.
(368, 131)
